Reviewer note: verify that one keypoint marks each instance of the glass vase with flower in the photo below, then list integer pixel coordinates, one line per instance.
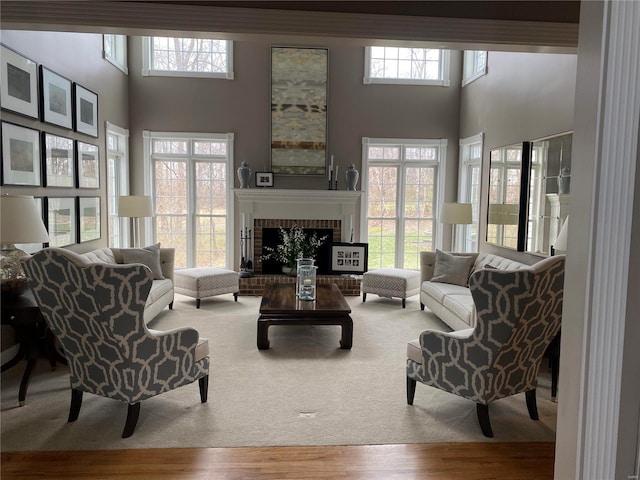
(294, 244)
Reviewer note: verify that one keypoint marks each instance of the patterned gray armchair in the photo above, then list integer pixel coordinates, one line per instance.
(96, 312)
(519, 314)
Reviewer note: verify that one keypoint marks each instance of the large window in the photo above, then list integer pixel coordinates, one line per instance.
(469, 191)
(187, 57)
(475, 65)
(117, 184)
(504, 191)
(401, 185)
(418, 66)
(190, 180)
(115, 50)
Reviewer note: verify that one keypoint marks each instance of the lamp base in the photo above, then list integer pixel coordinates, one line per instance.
(13, 280)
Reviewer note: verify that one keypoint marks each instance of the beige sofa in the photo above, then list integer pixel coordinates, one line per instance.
(162, 290)
(450, 302)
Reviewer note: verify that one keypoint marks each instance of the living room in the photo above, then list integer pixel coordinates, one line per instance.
(501, 126)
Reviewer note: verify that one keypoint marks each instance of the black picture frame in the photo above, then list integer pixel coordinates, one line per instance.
(85, 109)
(264, 179)
(349, 257)
(55, 99)
(62, 223)
(18, 83)
(58, 161)
(20, 156)
(88, 219)
(87, 165)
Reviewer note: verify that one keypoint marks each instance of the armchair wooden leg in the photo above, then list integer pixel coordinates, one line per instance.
(364, 297)
(404, 303)
(532, 405)
(204, 387)
(132, 418)
(76, 403)
(235, 297)
(411, 390)
(171, 306)
(483, 419)
(421, 306)
(197, 303)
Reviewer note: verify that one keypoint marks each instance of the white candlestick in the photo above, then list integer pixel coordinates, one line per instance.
(243, 225)
(336, 176)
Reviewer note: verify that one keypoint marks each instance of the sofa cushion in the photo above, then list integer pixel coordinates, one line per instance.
(158, 289)
(453, 269)
(462, 306)
(496, 261)
(149, 256)
(438, 291)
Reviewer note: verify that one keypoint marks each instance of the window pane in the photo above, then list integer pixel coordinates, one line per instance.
(405, 63)
(189, 54)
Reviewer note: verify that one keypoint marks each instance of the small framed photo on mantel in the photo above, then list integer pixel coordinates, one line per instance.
(349, 257)
(264, 179)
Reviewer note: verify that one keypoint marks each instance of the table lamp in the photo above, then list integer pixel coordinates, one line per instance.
(136, 207)
(20, 222)
(456, 214)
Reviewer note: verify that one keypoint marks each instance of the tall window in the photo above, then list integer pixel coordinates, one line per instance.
(469, 191)
(187, 57)
(190, 179)
(117, 183)
(504, 191)
(401, 183)
(115, 50)
(418, 66)
(474, 66)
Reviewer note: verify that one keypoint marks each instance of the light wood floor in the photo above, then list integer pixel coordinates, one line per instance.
(468, 461)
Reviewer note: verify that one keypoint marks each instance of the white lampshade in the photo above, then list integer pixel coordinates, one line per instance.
(456, 213)
(135, 206)
(561, 242)
(503, 213)
(21, 222)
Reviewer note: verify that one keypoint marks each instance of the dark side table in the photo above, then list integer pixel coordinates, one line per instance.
(22, 313)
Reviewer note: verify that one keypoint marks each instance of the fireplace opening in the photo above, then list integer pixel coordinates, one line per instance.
(271, 238)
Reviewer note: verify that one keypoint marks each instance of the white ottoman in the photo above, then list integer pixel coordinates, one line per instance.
(391, 282)
(202, 282)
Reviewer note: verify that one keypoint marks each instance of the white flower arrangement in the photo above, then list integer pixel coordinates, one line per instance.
(294, 244)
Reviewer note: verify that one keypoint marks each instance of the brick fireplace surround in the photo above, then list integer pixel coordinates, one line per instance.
(272, 208)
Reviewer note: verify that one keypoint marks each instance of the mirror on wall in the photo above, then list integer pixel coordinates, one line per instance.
(549, 189)
(504, 203)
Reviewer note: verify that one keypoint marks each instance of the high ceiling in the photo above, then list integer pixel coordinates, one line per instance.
(561, 11)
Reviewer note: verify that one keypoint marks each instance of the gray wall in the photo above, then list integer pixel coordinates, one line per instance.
(77, 57)
(524, 96)
(242, 106)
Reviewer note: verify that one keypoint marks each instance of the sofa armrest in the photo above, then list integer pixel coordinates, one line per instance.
(167, 262)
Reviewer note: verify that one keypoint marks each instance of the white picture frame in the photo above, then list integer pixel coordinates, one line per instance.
(87, 165)
(18, 83)
(59, 161)
(62, 222)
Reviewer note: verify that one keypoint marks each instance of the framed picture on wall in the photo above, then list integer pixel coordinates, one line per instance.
(264, 179)
(88, 165)
(349, 257)
(58, 161)
(55, 98)
(86, 111)
(18, 83)
(20, 155)
(61, 221)
(89, 218)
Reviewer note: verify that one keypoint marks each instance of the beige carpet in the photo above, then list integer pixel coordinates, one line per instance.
(303, 391)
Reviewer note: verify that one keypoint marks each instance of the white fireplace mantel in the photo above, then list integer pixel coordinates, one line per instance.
(300, 204)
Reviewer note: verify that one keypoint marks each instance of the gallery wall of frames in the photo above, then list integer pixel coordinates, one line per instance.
(38, 157)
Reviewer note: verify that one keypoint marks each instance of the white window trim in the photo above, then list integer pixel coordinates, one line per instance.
(441, 173)
(147, 136)
(475, 75)
(147, 71)
(463, 182)
(444, 73)
(110, 128)
(113, 61)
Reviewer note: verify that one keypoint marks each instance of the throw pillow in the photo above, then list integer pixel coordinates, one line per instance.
(454, 269)
(149, 256)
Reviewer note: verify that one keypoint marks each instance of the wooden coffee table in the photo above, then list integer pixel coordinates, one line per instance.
(280, 306)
